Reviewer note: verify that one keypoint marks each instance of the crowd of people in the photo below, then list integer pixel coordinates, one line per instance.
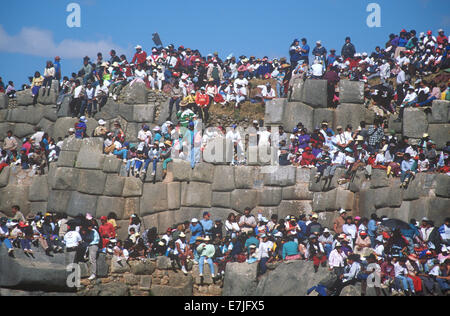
(410, 260)
(399, 258)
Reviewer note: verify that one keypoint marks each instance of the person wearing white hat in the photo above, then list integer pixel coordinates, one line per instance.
(140, 57)
(206, 252)
(326, 239)
(101, 130)
(196, 230)
(336, 259)
(182, 251)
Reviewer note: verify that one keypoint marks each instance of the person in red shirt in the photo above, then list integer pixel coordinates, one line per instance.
(441, 38)
(106, 231)
(308, 158)
(202, 100)
(140, 57)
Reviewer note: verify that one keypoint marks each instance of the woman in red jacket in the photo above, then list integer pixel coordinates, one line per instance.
(202, 101)
(308, 159)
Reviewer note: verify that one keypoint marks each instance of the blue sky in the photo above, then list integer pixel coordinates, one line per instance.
(29, 37)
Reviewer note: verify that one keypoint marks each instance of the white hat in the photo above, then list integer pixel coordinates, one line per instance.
(169, 123)
(161, 145)
(83, 119)
(326, 230)
(440, 30)
(156, 128)
(364, 54)
(194, 220)
(255, 122)
(101, 122)
(338, 244)
(138, 46)
(319, 42)
(182, 235)
(252, 247)
(342, 211)
(71, 130)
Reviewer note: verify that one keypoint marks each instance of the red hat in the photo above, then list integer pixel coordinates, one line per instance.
(429, 33)
(386, 235)
(103, 218)
(308, 149)
(403, 31)
(22, 225)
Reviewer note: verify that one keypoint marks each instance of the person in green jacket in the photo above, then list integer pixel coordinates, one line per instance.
(206, 252)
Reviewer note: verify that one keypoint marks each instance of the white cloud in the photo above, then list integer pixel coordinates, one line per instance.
(39, 42)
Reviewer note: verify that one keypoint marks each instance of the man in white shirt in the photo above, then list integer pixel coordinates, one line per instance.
(241, 81)
(317, 70)
(234, 144)
(336, 260)
(401, 275)
(36, 138)
(72, 239)
(264, 252)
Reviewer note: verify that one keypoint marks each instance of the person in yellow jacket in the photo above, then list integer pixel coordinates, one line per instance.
(36, 84)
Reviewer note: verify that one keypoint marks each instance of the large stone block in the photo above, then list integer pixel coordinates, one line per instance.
(203, 172)
(439, 210)
(114, 185)
(173, 195)
(393, 125)
(50, 114)
(132, 187)
(417, 187)
(23, 129)
(135, 94)
(223, 179)
(106, 205)
(82, 204)
(296, 112)
(303, 175)
(71, 144)
(154, 198)
(367, 202)
(91, 182)
(30, 115)
(46, 126)
(62, 125)
(293, 208)
(388, 197)
(131, 206)
(3, 101)
(344, 199)
(298, 92)
(24, 98)
(243, 198)
(439, 112)
(300, 191)
(415, 123)
(439, 133)
(67, 159)
(351, 91)
(39, 189)
(47, 96)
(14, 195)
(112, 164)
(58, 201)
(180, 169)
(244, 177)
(347, 113)
(240, 279)
(64, 110)
(379, 179)
(186, 214)
(321, 115)
(144, 113)
(275, 110)
(88, 159)
(269, 196)
(196, 194)
(36, 207)
(65, 179)
(443, 185)
(324, 201)
(280, 176)
(315, 93)
(4, 176)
